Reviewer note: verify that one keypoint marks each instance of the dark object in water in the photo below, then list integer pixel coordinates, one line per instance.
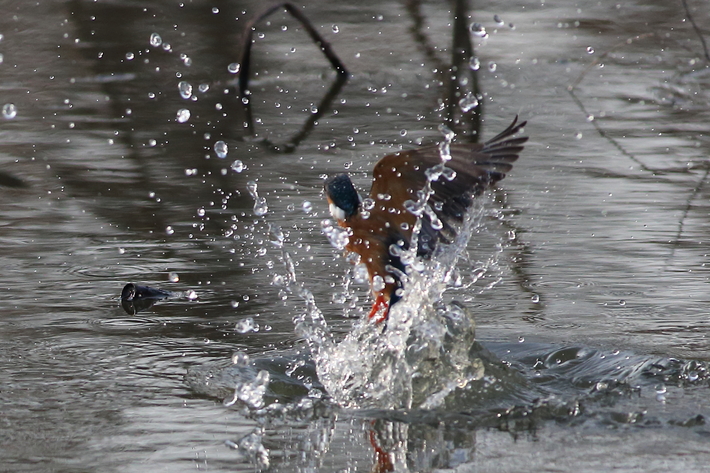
(135, 298)
(391, 218)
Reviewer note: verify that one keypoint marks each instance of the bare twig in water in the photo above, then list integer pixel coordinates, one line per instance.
(245, 63)
(596, 125)
(312, 32)
(417, 30)
(697, 29)
(686, 211)
(605, 54)
(700, 184)
(462, 51)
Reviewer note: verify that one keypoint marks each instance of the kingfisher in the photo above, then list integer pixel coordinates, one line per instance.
(381, 226)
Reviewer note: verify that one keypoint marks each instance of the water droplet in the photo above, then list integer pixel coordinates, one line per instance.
(215, 10)
(234, 68)
(661, 392)
(336, 29)
(152, 142)
(201, 212)
(474, 63)
(237, 166)
(478, 29)
(339, 237)
(403, 133)
(468, 103)
(448, 133)
(492, 66)
(521, 339)
(185, 89)
(183, 115)
(535, 298)
(203, 88)
(622, 302)
(130, 56)
(173, 277)
(155, 40)
(378, 283)
(191, 295)
(246, 325)
(307, 206)
(169, 230)
(221, 149)
(9, 111)
(498, 21)
(2, 58)
(590, 50)
(240, 359)
(260, 206)
(578, 135)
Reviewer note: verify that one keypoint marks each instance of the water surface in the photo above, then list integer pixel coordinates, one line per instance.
(594, 247)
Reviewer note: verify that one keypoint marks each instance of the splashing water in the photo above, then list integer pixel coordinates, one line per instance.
(260, 205)
(423, 352)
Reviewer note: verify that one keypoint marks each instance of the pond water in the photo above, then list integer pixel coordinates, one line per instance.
(586, 274)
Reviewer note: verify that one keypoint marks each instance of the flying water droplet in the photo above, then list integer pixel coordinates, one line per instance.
(246, 325)
(260, 206)
(185, 89)
(336, 29)
(307, 206)
(535, 298)
(173, 277)
(492, 66)
(474, 63)
(221, 149)
(337, 236)
(590, 50)
(234, 68)
(155, 40)
(240, 359)
(183, 115)
(378, 283)
(237, 166)
(9, 111)
(498, 20)
(479, 30)
(468, 103)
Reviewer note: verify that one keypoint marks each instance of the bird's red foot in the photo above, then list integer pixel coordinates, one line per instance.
(380, 310)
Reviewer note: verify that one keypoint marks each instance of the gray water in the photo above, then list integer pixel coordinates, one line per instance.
(594, 247)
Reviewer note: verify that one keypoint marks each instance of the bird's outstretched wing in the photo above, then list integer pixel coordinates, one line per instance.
(397, 177)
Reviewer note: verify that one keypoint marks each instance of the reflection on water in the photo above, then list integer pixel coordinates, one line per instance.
(586, 279)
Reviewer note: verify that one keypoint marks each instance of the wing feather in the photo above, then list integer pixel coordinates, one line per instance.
(397, 177)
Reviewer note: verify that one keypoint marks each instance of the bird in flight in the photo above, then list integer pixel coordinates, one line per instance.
(386, 220)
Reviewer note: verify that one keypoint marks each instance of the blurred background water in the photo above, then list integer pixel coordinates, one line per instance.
(595, 247)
